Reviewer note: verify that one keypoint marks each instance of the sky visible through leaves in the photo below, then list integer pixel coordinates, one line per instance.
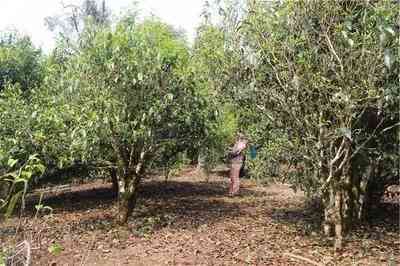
(28, 16)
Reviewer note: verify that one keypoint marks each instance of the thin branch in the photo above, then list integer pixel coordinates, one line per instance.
(328, 40)
(345, 160)
(117, 147)
(302, 259)
(339, 154)
(389, 128)
(141, 162)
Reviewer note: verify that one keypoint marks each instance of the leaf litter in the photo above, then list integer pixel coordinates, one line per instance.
(188, 221)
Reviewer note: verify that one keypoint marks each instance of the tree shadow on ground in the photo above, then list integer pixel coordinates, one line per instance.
(72, 201)
(188, 204)
(384, 215)
(179, 204)
(308, 219)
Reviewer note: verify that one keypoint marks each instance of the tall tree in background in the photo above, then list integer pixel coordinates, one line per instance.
(20, 61)
(217, 60)
(211, 63)
(75, 19)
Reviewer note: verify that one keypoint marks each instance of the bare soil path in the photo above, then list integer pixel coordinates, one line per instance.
(188, 221)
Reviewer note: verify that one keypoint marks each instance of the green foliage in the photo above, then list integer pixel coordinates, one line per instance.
(14, 183)
(141, 100)
(45, 126)
(271, 156)
(40, 207)
(33, 137)
(20, 61)
(322, 76)
(222, 134)
(3, 257)
(55, 249)
(126, 101)
(212, 64)
(306, 81)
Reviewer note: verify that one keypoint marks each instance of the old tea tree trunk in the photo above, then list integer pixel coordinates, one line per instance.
(130, 170)
(340, 200)
(128, 185)
(127, 196)
(129, 175)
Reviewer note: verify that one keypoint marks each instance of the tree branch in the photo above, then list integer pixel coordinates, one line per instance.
(328, 40)
(302, 259)
(121, 156)
(339, 154)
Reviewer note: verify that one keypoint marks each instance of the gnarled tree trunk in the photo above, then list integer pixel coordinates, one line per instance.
(114, 180)
(130, 169)
(127, 197)
(338, 196)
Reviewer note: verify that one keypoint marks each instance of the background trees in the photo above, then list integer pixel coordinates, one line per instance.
(75, 20)
(20, 61)
(209, 63)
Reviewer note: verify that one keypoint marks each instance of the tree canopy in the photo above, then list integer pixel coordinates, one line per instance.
(20, 61)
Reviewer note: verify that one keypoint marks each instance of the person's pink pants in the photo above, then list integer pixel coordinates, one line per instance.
(234, 176)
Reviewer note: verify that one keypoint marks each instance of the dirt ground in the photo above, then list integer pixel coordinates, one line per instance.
(188, 221)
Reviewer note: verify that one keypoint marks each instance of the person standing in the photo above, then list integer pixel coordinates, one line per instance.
(237, 158)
